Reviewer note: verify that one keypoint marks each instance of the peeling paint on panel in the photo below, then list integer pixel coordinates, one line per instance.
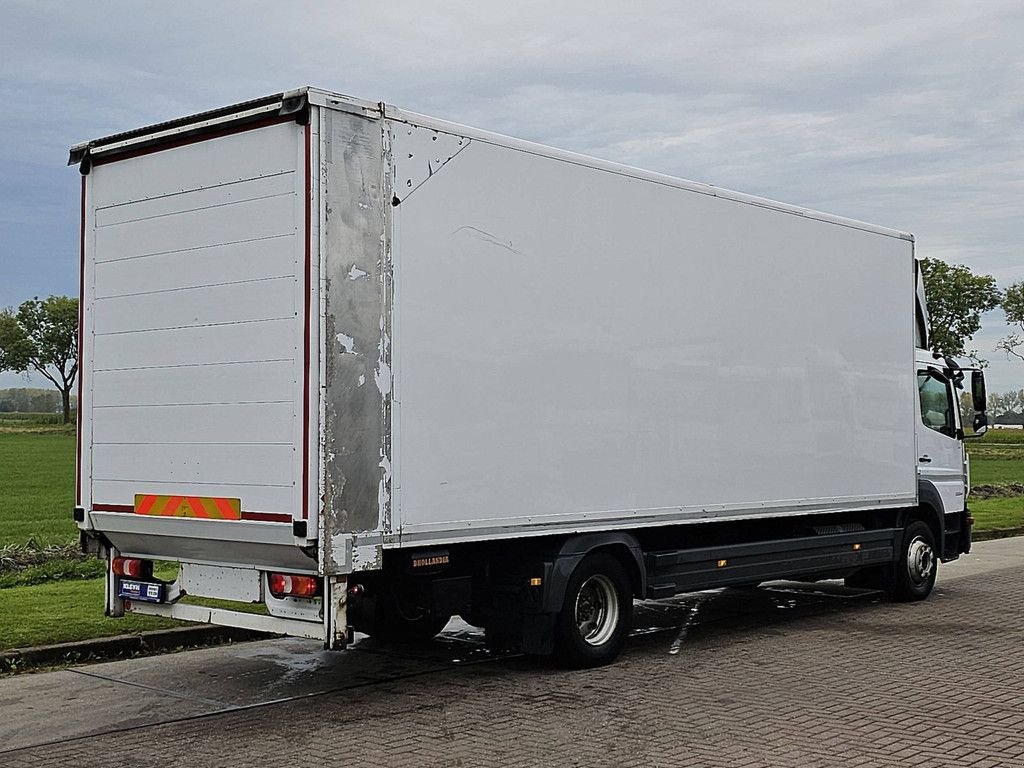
(347, 344)
(358, 316)
(367, 552)
(382, 377)
(386, 316)
(384, 489)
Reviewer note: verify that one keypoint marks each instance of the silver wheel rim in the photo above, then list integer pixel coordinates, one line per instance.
(920, 561)
(597, 610)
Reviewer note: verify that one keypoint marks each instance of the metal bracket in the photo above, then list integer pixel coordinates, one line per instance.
(114, 605)
(419, 153)
(295, 103)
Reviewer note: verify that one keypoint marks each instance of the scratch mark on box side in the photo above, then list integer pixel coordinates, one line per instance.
(486, 237)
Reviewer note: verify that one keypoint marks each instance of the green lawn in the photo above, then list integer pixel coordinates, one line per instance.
(997, 459)
(37, 487)
(997, 513)
(62, 612)
(996, 463)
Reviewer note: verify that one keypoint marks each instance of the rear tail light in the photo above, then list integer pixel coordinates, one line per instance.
(132, 567)
(292, 585)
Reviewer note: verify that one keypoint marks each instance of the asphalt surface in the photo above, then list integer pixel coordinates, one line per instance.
(786, 674)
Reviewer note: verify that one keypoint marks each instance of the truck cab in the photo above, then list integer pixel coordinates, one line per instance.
(943, 475)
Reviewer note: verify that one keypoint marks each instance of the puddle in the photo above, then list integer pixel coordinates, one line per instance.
(691, 620)
(737, 608)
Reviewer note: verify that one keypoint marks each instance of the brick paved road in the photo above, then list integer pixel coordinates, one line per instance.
(740, 678)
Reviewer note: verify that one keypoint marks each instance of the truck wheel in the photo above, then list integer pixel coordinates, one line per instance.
(916, 568)
(596, 614)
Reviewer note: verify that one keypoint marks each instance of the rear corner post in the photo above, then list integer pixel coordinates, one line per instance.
(336, 631)
(114, 603)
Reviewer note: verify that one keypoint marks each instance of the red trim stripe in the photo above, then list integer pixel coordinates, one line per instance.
(268, 517)
(305, 351)
(113, 508)
(264, 517)
(81, 318)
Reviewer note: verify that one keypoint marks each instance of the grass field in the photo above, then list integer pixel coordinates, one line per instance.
(37, 493)
(994, 514)
(37, 486)
(32, 418)
(997, 458)
(60, 600)
(62, 612)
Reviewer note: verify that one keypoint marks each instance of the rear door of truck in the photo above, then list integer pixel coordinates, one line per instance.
(195, 420)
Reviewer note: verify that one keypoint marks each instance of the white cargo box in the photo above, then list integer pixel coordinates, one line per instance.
(376, 329)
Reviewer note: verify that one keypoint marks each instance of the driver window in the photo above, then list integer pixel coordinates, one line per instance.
(936, 406)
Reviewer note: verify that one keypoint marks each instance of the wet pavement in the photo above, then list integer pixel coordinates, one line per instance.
(783, 674)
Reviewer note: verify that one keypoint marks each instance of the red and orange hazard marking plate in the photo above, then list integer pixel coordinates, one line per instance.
(207, 507)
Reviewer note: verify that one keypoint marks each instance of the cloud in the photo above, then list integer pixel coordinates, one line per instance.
(907, 115)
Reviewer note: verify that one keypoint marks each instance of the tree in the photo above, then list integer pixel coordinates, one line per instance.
(956, 299)
(1013, 305)
(1002, 403)
(43, 336)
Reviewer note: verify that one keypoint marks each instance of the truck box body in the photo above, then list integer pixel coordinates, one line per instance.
(378, 330)
(405, 332)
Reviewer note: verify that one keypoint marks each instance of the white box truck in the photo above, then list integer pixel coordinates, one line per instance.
(369, 370)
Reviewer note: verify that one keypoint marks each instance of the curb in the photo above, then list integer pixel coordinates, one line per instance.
(997, 533)
(123, 646)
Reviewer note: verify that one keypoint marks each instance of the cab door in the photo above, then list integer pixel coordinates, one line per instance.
(940, 459)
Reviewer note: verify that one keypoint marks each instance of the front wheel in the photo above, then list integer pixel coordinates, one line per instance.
(915, 571)
(596, 614)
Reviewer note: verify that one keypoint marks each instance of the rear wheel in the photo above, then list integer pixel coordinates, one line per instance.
(596, 613)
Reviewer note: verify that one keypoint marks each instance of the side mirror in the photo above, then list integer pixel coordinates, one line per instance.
(955, 372)
(978, 391)
(980, 424)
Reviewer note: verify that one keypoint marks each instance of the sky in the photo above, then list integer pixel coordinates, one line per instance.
(908, 115)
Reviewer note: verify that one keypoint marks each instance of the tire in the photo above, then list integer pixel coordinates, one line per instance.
(596, 614)
(914, 573)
